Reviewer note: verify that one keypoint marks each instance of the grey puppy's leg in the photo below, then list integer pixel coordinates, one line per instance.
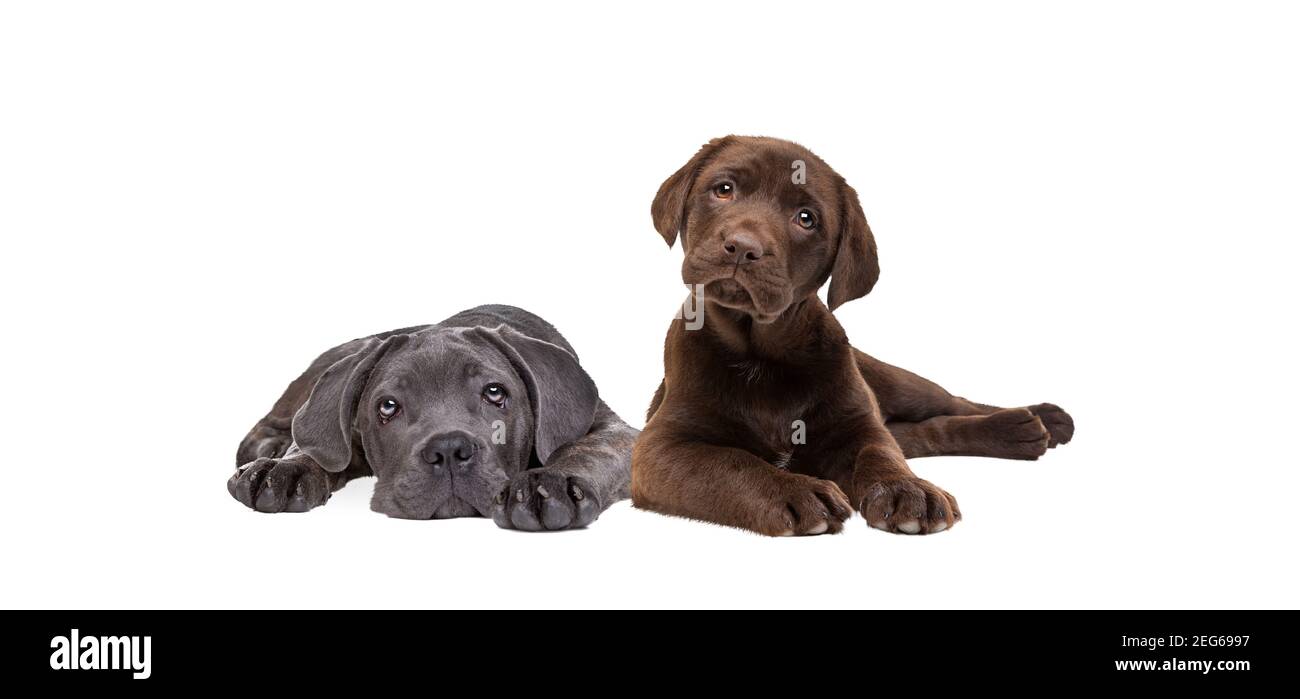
(289, 483)
(271, 474)
(580, 481)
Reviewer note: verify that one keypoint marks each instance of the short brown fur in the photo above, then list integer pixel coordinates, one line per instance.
(720, 444)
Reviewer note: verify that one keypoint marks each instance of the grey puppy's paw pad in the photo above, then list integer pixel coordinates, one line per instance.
(541, 500)
(279, 485)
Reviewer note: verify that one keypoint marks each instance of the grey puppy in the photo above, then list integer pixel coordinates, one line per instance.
(487, 413)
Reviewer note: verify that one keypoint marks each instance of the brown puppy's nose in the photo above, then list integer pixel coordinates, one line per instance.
(451, 448)
(742, 248)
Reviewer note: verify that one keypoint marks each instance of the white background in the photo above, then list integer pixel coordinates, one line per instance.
(1093, 205)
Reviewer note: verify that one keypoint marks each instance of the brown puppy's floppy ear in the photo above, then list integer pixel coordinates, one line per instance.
(322, 427)
(563, 397)
(669, 207)
(857, 266)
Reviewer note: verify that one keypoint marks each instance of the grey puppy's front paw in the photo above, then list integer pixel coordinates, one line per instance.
(545, 500)
(280, 485)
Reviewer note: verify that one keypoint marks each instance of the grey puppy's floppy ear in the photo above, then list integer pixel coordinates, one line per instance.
(857, 266)
(669, 207)
(563, 397)
(322, 427)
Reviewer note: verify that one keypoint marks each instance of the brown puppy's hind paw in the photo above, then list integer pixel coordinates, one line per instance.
(1013, 433)
(1059, 424)
(909, 506)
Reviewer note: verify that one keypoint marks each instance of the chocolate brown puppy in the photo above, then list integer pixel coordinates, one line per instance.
(767, 418)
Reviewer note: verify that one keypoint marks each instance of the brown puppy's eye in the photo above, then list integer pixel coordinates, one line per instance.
(495, 394)
(724, 190)
(806, 219)
(388, 409)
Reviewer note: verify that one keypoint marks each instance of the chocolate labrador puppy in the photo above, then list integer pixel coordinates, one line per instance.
(767, 419)
(487, 413)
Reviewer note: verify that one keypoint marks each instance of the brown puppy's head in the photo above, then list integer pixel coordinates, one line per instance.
(764, 223)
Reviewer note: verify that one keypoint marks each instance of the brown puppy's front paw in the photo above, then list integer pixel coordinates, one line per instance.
(1059, 424)
(805, 506)
(909, 506)
(280, 485)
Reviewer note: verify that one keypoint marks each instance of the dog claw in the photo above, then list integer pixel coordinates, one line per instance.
(545, 500)
(909, 506)
(279, 485)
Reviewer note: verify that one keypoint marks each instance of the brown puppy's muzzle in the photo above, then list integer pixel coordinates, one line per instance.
(740, 263)
(742, 247)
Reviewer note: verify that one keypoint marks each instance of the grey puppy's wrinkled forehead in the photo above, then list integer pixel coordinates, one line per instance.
(442, 357)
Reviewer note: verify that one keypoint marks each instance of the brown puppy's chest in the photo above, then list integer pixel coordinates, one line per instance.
(761, 388)
(766, 406)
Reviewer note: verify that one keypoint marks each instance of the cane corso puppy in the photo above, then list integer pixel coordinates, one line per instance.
(767, 419)
(487, 413)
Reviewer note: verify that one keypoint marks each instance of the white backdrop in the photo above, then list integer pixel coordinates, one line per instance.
(1094, 206)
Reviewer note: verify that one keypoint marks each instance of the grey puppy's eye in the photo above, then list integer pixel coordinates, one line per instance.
(495, 394)
(388, 409)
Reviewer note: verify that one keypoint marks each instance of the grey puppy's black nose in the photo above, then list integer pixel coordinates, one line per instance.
(451, 448)
(742, 248)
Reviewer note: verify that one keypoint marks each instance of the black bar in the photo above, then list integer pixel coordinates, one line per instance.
(658, 651)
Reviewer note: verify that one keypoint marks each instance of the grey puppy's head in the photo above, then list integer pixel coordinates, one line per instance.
(446, 416)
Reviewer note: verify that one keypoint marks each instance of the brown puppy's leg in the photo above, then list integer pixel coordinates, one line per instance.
(929, 421)
(1015, 433)
(733, 487)
(1010, 433)
(907, 397)
(863, 458)
(894, 499)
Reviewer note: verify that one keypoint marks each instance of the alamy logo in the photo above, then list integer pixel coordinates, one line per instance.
(72, 652)
(799, 432)
(692, 310)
